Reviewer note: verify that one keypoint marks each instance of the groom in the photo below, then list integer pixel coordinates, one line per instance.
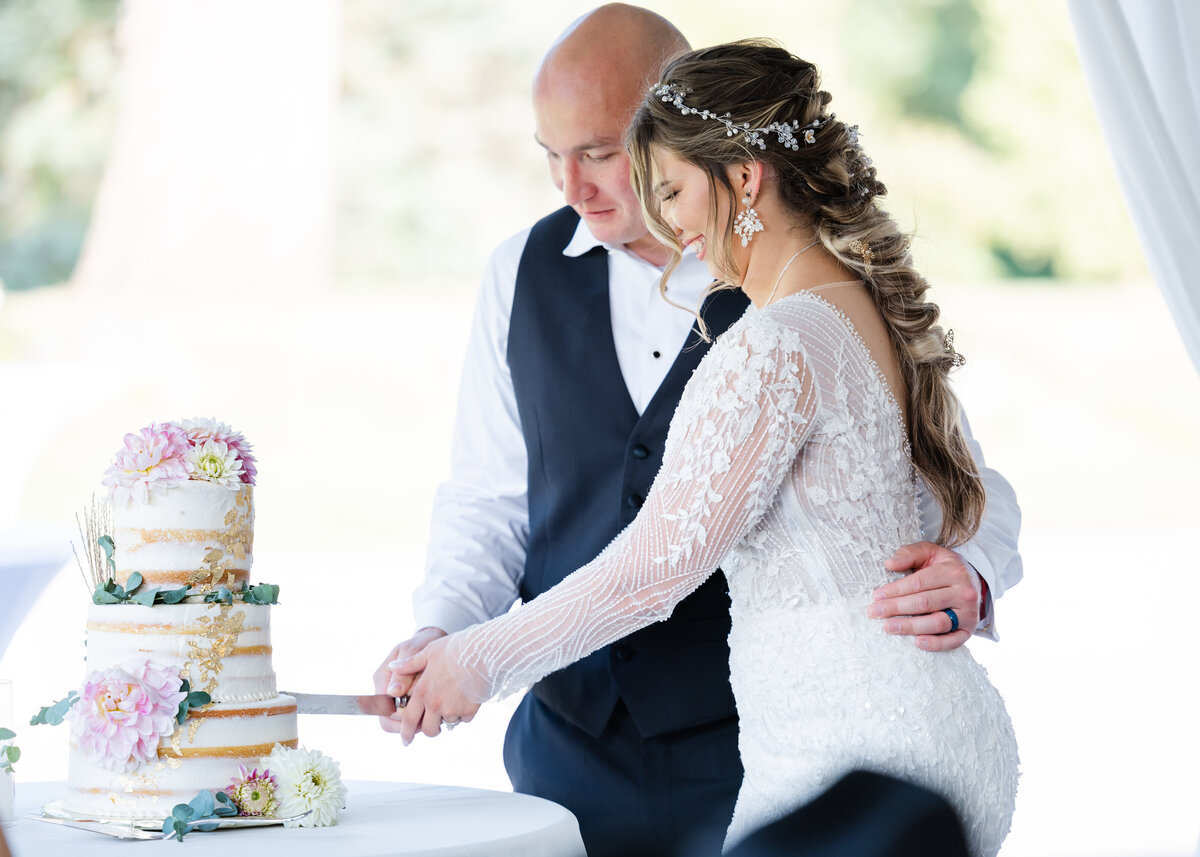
(574, 367)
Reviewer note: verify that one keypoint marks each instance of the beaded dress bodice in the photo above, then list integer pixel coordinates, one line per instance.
(787, 466)
(785, 462)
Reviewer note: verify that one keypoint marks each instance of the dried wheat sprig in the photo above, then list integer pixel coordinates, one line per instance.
(96, 522)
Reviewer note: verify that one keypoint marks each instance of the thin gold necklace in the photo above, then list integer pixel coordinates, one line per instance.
(787, 265)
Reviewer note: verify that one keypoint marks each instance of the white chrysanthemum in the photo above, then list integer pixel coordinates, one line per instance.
(214, 461)
(308, 779)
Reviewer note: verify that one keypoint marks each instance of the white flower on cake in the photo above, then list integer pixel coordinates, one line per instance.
(164, 455)
(214, 461)
(308, 780)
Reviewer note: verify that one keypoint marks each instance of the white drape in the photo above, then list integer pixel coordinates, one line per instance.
(1141, 59)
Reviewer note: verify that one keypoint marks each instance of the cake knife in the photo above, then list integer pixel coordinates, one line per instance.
(379, 705)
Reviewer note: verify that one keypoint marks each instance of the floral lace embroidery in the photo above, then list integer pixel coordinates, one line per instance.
(787, 465)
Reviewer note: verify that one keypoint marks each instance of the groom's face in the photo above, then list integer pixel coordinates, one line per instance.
(580, 125)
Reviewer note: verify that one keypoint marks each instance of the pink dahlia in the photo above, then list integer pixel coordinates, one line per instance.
(254, 793)
(152, 459)
(124, 711)
(199, 430)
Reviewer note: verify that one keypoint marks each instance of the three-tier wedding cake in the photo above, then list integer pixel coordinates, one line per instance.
(180, 692)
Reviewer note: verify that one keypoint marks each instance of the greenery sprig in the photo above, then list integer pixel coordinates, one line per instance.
(55, 713)
(193, 699)
(220, 595)
(11, 754)
(263, 593)
(203, 812)
(111, 592)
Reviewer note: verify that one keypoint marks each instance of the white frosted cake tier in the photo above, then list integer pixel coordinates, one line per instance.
(204, 753)
(196, 532)
(224, 650)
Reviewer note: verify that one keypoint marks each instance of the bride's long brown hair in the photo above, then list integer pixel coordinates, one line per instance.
(830, 183)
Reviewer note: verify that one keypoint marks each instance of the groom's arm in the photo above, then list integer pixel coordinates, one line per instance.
(967, 579)
(476, 553)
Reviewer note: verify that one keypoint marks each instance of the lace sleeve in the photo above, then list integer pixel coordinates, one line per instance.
(739, 426)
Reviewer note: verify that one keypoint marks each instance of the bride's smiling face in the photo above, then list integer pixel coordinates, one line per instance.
(689, 205)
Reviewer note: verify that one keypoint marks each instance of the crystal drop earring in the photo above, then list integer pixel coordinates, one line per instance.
(748, 222)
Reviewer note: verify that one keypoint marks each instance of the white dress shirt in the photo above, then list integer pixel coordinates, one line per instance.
(476, 554)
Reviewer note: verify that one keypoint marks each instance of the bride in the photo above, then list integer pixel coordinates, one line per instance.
(790, 464)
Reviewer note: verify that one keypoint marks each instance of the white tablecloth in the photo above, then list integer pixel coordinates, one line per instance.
(380, 820)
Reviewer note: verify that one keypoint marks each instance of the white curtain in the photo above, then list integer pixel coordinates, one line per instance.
(1141, 59)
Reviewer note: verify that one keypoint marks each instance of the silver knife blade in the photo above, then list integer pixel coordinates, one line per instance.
(118, 831)
(331, 703)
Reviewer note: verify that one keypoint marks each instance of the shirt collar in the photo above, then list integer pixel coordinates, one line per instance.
(690, 268)
(583, 240)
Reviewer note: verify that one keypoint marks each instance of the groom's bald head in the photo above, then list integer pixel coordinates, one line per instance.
(616, 50)
(585, 91)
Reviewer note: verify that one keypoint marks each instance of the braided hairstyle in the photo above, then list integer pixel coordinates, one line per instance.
(830, 184)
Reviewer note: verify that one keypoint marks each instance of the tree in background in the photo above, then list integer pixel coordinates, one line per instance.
(58, 68)
(975, 111)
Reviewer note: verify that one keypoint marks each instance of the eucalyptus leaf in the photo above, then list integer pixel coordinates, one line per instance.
(202, 804)
(147, 597)
(100, 596)
(197, 698)
(207, 827)
(225, 805)
(264, 593)
(133, 582)
(169, 826)
(6, 734)
(173, 596)
(54, 714)
(220, 595)
(109, 547)
(182, 812)
(13, 753)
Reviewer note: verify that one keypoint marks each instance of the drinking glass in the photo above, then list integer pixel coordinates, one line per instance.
(6, 779)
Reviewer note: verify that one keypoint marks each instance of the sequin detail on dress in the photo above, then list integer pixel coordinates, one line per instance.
(787, 466)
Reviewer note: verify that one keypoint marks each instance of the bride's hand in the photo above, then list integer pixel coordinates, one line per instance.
(434, 697)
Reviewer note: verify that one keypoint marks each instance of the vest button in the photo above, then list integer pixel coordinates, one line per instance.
(634, 501)
(640, 451)
(624, 654)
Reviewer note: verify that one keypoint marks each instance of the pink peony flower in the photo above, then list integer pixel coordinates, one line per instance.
(152, 459)
(199, 430)
(123, 711)
(253, 793)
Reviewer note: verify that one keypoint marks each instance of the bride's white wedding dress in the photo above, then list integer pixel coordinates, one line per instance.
(786, 465)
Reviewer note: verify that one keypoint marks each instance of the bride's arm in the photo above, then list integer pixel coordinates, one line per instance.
(732, 441)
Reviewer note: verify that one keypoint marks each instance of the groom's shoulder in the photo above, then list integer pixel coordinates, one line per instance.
(552, 232)
(555, 230)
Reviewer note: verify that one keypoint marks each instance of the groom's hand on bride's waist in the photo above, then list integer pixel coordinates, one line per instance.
(383, 676)
(936, 580)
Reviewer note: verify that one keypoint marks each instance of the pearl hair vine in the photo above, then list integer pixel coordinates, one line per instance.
(786, 132)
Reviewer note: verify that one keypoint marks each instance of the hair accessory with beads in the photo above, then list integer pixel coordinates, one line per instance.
(786, 132)
(862, 248)
(956, 359)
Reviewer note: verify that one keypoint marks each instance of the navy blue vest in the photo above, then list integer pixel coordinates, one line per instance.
(592, 460)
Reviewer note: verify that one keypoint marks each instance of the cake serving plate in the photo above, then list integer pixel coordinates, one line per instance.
(138, 828)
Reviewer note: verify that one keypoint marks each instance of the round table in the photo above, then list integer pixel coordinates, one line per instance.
(380, 819)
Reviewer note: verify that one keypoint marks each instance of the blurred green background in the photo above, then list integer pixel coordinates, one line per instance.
(974, 111)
